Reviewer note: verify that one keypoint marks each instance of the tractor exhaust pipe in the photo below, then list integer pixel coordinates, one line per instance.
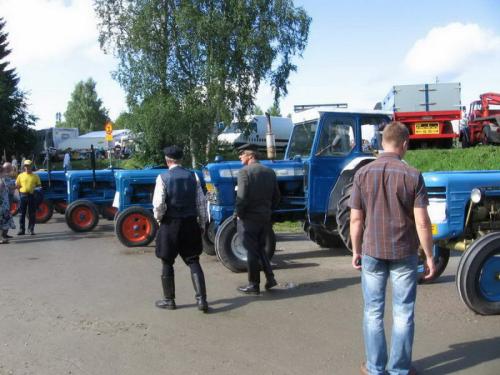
(270, 140)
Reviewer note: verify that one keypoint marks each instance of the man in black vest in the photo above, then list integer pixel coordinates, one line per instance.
(177, 202)
(257, 195)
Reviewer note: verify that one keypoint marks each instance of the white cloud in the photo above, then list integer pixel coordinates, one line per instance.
(43, 30)
(450, 49)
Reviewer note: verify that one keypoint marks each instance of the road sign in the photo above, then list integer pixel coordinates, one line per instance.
(109, 137)
(108, 128)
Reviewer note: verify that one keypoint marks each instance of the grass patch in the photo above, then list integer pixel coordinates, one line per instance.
(288, 227)
(456, 159)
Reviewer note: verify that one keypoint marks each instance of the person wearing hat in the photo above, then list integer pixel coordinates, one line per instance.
(179, 205)
(27, 182)
(257, 195)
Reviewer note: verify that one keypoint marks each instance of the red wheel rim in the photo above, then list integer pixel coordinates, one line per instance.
(82, 216)
(136, 228)
(42, 211)
(13, 208)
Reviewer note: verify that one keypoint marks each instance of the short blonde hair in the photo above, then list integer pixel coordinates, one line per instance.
(395, 134)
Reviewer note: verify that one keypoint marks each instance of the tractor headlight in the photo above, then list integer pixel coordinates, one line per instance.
(437, 210)
(476, 195)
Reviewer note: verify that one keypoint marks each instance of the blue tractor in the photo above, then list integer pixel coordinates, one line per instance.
(135, 224)
(465, 214)
(54, 188)
(327, 146)
(90, 194)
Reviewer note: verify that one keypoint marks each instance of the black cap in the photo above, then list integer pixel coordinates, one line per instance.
(173, 152)
(247, 147)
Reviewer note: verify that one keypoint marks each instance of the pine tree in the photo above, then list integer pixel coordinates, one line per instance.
(16, 136)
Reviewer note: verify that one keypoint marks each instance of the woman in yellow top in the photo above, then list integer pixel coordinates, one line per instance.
(27, 182)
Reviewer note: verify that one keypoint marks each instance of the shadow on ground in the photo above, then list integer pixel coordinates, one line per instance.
(460, 356)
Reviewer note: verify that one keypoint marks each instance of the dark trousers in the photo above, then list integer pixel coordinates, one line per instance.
(27, 204)
(253, 235)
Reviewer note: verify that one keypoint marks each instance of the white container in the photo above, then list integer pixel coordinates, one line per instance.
(423, 98)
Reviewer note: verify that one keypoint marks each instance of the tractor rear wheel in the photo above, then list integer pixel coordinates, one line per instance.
(60, 207)
(135, 226)
(44, 212)
(344, 216)
(208, 238)
(230, 250)
(108, 212)
(14, 208)
(441, 258)
(478, 275)
(82, 215)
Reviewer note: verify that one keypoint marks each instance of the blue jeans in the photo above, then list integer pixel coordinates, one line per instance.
(374, 275)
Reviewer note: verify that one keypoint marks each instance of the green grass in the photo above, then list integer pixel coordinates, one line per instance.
(288, 227)
(456, 159)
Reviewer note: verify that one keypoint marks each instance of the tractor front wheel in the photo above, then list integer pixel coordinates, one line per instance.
(44, 212)
(344, 216)
(478, 275)
(82, 216)
(208, 238)
(230, 250)
(441, 258)
(135, 226)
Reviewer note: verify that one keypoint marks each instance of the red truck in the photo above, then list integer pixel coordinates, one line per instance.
(427, 110)
(482, 122)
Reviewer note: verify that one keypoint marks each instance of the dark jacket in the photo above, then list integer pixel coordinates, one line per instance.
(258, 192)
(180, 185)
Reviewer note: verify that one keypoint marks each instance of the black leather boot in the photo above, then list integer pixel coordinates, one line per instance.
(168, 284)
(253, 275)
(198, 279)
(268, 271)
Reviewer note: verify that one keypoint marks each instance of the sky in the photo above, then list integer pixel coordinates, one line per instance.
(357, 50)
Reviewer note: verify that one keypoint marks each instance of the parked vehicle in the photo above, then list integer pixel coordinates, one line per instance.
(55, 194)
(90, 193)
(236, 134)
(427, 110)
(327, 146)
(483, 120)
(465, 214)
(135, 224)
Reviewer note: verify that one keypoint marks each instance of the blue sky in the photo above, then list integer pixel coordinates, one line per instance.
(357, 50)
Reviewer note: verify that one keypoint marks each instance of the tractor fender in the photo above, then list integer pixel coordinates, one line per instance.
(345, 177)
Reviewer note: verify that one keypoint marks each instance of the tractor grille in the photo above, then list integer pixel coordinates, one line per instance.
(437, 192)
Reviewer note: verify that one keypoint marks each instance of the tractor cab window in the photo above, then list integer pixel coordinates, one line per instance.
(371, 132)
(302, 139)
(337, 138)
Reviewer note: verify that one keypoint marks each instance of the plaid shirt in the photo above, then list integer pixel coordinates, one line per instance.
(387, 190)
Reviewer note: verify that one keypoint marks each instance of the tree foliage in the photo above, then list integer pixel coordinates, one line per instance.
(85, 110)
(274, 110)
(16, 136)
(206, 58)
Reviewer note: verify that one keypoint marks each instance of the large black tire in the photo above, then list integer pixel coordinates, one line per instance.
(135, 226)
(325, 240)
(478, 275)
(44, 212)
(344, 216)
(208, 238)
(486, 135)
(82, 215)
(441, 258)
(230, 251)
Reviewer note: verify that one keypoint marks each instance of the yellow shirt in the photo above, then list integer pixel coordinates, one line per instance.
(28, 182)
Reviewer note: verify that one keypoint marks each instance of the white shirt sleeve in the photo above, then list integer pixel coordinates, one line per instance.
(159, 204)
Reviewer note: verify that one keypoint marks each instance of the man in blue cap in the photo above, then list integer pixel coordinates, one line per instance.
(179, 205)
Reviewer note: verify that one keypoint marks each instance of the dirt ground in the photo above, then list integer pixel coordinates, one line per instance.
(83, 304)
